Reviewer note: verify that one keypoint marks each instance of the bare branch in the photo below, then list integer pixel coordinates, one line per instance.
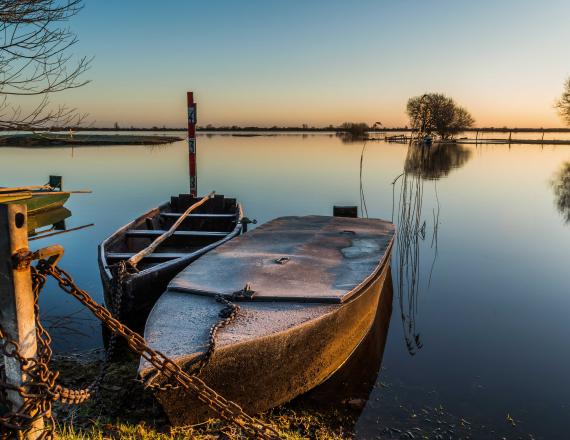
(35, 60)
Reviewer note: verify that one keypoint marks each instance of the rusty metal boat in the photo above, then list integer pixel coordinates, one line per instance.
(308, 290)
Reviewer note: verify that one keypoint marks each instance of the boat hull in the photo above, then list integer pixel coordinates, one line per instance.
(141, 291)
(267, 371)
(42, 202)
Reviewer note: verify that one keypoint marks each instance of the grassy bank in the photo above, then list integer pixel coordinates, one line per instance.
(127, 411)
(35, 140)
(393, 411)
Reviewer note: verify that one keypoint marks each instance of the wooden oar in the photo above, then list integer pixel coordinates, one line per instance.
(135, 259)
(79, 191)
(65, 231)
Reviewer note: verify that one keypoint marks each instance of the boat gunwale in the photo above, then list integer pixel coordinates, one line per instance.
(59, 199)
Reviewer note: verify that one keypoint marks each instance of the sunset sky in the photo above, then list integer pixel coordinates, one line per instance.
(289, 62)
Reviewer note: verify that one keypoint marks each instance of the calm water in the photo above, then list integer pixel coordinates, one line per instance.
(480, 322)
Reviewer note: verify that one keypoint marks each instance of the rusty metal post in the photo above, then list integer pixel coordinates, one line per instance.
(192, 118)
(16, 301)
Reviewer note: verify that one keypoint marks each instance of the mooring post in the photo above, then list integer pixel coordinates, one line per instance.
(192, 118)
(17, 316)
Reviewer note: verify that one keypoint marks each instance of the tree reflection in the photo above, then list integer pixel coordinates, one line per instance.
(561, 186)
(416, 226)
(435, 161)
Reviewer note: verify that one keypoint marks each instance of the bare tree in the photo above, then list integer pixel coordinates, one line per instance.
(35, 62)
(434, 113)
(563, 104)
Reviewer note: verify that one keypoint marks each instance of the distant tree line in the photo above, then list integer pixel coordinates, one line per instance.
(291, 129)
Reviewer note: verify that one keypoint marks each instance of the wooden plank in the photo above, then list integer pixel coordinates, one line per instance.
(5, 198)
(21, 194)
(155, 256)
(24, 188)
(174, 203)
(216, 204)
(208, 216)
(186, 200)
(159, 232)
(17, 315)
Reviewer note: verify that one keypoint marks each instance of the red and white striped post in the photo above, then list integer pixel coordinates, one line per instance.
(192, 143)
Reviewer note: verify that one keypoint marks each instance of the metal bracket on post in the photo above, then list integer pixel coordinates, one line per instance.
(22, 258)
(17, 315)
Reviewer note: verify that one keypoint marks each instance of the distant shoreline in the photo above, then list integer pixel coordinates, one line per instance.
(78, 140)
(329, 129)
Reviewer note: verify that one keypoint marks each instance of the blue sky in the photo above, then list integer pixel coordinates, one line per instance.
(319, 62)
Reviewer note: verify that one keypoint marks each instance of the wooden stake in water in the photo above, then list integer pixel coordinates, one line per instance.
(192, 118)
(16, 300)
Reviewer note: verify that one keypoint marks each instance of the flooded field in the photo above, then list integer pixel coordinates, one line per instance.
(477, 340)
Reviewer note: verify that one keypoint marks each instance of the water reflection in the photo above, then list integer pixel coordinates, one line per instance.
(348, 138)
(422, 163)
(411, 230)
(561, 187)
(47, 221)
(51, 222)
(435, 161)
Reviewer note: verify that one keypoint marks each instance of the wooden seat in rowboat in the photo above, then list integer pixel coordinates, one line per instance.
(207, 216)
(159, 232)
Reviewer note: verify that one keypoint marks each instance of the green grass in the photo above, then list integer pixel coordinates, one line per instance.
(291, 424)
(128, 411)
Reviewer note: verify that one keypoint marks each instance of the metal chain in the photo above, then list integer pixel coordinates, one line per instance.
(226, 409)
(228, 314)
(120, 273)
(39, 389)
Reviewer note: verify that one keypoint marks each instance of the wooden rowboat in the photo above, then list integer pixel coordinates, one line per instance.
(218, 220)
(39, 198)
(308, 289)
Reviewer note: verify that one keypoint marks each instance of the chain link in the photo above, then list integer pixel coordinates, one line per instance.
(227, 315)
(228, 410)
(39, 388)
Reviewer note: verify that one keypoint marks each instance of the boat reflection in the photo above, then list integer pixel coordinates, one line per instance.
(51, 222)
(47, 221)
(435, 161)
(561, 186)
(353, 382)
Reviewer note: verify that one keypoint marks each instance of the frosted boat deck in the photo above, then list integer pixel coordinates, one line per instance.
(305, 259)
